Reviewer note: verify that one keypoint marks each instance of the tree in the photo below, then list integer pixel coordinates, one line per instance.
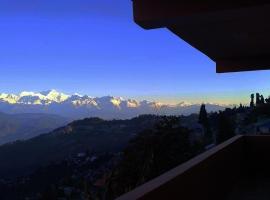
(258, 99)
(225, 127)
(267, 100)
(252, 101)
(203, 120)
(203, 115)
(262, 100)
(152, 153)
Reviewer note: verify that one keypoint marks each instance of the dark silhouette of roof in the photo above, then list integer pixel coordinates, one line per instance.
(234, 34)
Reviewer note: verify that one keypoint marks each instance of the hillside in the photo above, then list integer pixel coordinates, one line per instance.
(93, 134)
(24, 126)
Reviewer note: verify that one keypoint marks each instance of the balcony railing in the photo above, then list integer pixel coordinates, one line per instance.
(236, 169)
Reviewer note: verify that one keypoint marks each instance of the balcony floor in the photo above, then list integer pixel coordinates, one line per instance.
(251, 187)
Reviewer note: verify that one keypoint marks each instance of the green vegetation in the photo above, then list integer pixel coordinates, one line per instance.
(94, 134)
(152, 153)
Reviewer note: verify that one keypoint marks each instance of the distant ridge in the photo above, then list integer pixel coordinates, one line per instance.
(79, 106)
(27, 125)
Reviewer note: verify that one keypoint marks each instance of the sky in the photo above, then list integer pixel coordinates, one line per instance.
(94, 47)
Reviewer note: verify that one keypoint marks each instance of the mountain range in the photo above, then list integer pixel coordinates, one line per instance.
(80, 106)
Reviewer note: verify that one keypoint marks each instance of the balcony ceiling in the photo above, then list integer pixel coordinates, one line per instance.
(234, 35)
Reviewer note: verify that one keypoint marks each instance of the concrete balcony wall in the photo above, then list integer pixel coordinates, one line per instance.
(211, 175)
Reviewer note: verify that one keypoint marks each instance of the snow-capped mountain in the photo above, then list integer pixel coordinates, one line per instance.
(79, 106)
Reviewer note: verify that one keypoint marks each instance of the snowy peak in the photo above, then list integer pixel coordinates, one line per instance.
(116, 101)
(55, 102)
(9, 98)
(133, 103)
(184, 104)
(55, 96)
(79, 100)
(26, 97)
(78, 106)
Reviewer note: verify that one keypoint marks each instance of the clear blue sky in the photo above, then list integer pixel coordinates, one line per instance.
(94, 47)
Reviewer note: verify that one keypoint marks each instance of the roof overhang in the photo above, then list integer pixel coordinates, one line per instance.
(234, 35)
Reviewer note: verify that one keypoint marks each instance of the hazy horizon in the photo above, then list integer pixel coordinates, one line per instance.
(223, 98)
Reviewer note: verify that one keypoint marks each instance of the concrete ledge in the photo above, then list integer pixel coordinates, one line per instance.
(191, 179)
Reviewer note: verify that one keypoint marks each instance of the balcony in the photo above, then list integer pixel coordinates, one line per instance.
(235, 170)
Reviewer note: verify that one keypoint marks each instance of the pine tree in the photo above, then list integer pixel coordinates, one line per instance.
(203, 120)
(262, 100)
(258, 99)
(203, 115)
(252, 101)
